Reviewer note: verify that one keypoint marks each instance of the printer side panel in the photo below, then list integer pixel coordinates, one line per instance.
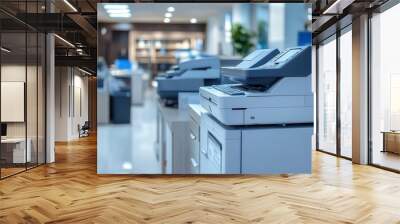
(276, 150)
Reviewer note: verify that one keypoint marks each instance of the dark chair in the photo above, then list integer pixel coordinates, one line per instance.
(84, 130)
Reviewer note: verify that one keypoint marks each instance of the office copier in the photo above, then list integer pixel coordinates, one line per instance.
(263, 125)
(188, 76)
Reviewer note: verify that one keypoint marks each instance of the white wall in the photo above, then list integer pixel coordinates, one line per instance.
(70, 84)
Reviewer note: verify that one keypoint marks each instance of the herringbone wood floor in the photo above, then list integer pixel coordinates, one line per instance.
(70, 191)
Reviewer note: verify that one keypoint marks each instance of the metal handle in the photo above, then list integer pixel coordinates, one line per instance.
(192, 136)
(194, 163)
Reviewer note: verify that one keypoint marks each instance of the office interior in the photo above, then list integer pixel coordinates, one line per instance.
(49, 79)
(153, 52)
(335, 60)
(48, 82)
(150, 124)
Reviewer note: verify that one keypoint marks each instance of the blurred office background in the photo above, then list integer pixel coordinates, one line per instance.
(138, 42)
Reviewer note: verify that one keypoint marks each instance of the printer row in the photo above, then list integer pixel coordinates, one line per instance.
(255, 117)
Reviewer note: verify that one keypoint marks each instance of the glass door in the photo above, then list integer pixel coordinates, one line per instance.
(345, 93)
(385, 89)
(327, 92)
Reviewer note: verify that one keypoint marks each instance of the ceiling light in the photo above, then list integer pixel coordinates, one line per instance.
(168, 14)
(171, 9)
(115, 6)
(120, 15)
(193, 20)
(5, 49)
(70, 5)
(167, 20)
(64, 40)
(110, 11)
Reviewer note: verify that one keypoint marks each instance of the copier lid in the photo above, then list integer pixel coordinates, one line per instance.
(293, 62)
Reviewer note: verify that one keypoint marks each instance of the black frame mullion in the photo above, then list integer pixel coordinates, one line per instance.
(317, 97)
(26, 86)
(337, 34)
(338, 100)
(1, 53)
(44, 80)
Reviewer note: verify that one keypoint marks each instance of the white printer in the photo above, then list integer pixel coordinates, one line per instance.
(188, 76)
(264, 124)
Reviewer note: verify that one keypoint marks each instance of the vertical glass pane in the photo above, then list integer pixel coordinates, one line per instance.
(346, 94)
(32, 98)
(385, 84)
(41, 99)
(13, 87)
(327, 96)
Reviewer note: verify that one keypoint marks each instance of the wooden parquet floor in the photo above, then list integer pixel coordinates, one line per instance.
(70, 191)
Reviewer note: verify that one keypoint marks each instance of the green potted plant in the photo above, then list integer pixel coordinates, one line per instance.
(241, 39)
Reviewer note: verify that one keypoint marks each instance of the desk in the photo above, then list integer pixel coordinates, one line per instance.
(391, 141)
(17, 150)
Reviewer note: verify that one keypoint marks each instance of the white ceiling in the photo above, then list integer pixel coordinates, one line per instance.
(154, 12)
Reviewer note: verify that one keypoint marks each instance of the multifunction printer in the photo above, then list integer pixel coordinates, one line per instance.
(263, 124)
(188, 76)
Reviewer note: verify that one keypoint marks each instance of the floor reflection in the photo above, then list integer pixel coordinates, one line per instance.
(129, 149)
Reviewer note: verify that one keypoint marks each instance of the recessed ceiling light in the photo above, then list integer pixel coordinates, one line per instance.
(167, 20)
(111, 11)
(168, 14)
(115, 6)
(193, 20)
(120, 15)
(171, 9)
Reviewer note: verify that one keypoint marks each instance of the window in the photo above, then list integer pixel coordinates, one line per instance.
(327, 96)
(385, 89)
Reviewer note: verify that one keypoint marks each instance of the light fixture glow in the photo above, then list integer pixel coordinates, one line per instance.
(65, 41)
(168, 14)
(193, 20)
(70, 5)
(167, 20)
(111, 11)
(5, 49)
(120, 15)
(115, 6)
(171, 9)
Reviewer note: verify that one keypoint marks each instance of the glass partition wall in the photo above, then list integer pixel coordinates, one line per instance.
(22, 93)
(385, 89)
(334, 86)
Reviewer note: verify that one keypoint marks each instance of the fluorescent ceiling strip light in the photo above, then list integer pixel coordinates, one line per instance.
(111, 11)
(5, 50)
(115, 6)
(84, 71)
(121, 15)
(65, 41)
(171, 9)
(337, 7)
(70, 5)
